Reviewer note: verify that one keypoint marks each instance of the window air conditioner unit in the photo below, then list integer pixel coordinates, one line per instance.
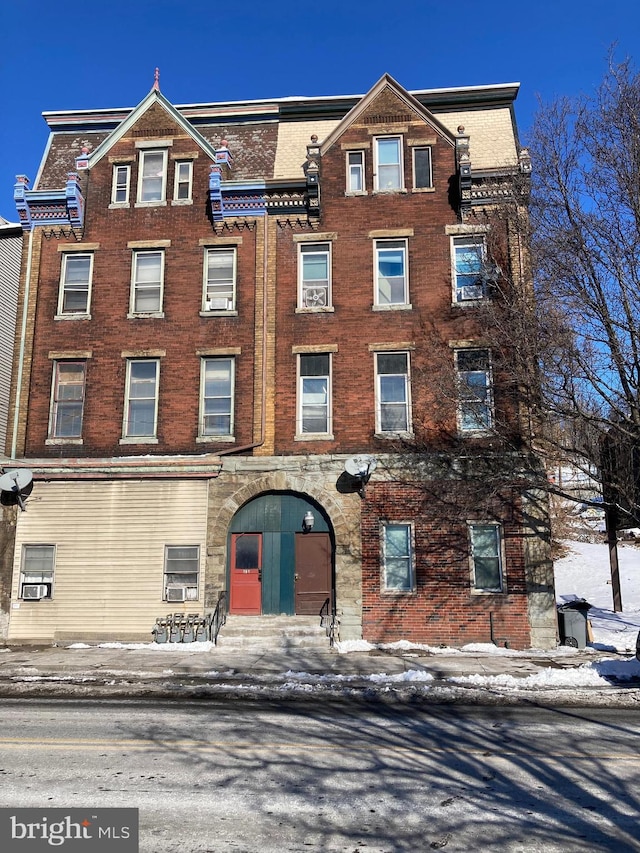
(34, 591)
(471, 291)
(176, 593)
(220, 303)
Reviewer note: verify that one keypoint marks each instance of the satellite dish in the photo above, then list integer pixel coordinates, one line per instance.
(360, 466)
(15, 482)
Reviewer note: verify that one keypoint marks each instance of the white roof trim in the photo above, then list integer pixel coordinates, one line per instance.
(153, 97)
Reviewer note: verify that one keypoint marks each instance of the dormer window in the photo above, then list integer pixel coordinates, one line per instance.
(183, 180)
(355, 172)
(120, 184)
(422, 168)
(152, 177)
(388, 164)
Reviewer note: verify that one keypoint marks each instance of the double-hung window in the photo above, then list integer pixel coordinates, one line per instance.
(355, 172)
(147, 282)
(183, 180)
(152, 177)
(314, 394)
(141, 404)
(314, 265)
(219, 280)
(474, 379)
(469, 260)
(36, 576)
(181, 570)
(391, 278)
(398, 560)
(120, 184)
(486, 557)
(75, 283)
(216, 399)
(422, 168)
(388, 163)
(67, 399)
(393, 398)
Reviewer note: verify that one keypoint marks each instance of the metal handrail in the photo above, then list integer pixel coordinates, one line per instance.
(219, 616)
(328, 617)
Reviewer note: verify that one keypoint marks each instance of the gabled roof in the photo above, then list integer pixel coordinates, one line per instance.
(155, 96)
(386, 82)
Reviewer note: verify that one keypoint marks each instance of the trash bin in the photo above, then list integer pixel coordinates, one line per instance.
(572, 623)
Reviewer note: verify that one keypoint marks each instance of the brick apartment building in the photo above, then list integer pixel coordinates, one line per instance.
(238, 323)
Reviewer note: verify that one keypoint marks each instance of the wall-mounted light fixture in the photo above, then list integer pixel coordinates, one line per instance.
(308, 521)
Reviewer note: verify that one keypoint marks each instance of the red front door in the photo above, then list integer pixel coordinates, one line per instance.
(246, 574)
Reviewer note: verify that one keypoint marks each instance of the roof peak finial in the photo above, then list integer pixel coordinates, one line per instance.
(156, 80)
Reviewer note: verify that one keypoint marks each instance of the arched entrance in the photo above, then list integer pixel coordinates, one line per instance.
(275, 566)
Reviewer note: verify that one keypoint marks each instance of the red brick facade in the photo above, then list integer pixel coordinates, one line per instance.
(442, 609)
(269, 331)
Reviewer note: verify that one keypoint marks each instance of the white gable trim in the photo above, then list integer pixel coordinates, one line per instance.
(412, 103)
(154, 97)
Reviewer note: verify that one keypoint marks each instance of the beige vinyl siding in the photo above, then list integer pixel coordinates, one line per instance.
(110, 539)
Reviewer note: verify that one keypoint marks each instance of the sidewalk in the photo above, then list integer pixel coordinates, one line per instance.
(475, 675)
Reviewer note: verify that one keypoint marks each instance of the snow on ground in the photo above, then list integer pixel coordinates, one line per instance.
(584, 573)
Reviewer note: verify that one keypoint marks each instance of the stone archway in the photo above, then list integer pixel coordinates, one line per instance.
(242, 482)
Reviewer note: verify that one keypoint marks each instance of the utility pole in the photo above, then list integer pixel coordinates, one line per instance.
(611, 515)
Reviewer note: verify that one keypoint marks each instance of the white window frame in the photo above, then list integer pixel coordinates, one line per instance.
(212, 301)
(415, 149)
(355, 169)
(465, 291)
(204, 432)
(130, 401)
(174, 573)
(61, 403)
(485, 402)
(407, 558)
(138, 286)
(121, 183)
(310, 295)
(145, 155)
(497, 555)
(381, 183)
(180, 181)
(304, 393)
(380, 247)
(382, 393)
(68, 288)
(44, 577)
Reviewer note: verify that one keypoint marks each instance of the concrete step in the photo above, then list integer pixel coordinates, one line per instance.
(273, 632)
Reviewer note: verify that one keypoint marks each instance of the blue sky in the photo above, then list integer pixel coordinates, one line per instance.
(61, 55)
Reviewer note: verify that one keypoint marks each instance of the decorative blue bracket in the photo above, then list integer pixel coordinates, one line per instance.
(235, 200)
(49, 207)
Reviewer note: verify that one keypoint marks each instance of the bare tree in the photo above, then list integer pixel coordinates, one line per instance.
(585, 219)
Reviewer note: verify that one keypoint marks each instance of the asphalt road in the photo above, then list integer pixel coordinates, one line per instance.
(250, 778)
